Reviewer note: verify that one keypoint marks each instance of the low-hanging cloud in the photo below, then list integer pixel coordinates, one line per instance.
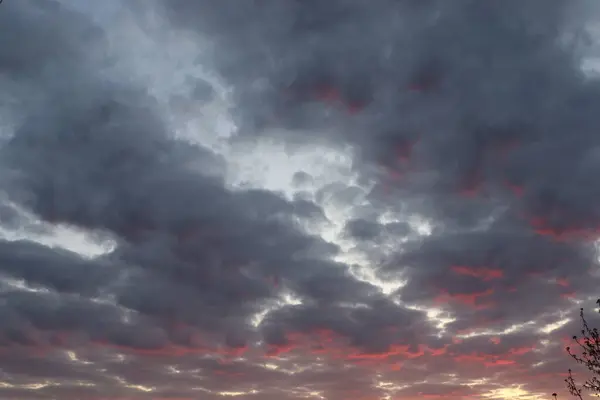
(470, 124)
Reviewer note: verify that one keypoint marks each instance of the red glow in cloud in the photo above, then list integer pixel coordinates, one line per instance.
(572, 343)
(494, 360)
(280, 349)
(395, 175)
(470, 299)
(355, 107)
(331, 95)
(542, 227)
(564, 282)
(398, 351)
(438, 352)
(519, 351)
(472, 183)
(401, 351)
(483, 273)
(232, 352)
(485, 359)
(317, 341)
(472, 186)
(404, 150)
(568, 295)
(328, 94)
(397, 166)
(328, 344)
(517, 190)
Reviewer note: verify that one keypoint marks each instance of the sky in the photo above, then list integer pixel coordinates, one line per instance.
(285, 199)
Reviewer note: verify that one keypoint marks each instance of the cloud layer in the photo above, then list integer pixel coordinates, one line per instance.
(312, 199)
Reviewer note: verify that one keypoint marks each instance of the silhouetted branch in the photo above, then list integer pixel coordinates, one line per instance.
(588, 356)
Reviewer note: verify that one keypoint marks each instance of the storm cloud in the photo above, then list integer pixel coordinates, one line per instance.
(303, 199)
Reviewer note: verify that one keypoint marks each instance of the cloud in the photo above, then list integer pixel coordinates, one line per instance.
(443, 263)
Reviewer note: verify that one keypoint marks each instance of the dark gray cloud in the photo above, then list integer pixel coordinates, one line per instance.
(102, 159)
(471, 117)
(450, 132)
(49, 37)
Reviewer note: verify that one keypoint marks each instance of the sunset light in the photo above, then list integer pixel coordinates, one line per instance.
(286, 199)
